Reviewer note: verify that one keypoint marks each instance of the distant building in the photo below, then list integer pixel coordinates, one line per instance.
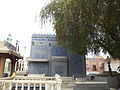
(9, 38)
(47, 57)
(94, 65)
(21, 67)
(114, 65)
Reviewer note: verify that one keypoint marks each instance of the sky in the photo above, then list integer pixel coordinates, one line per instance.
(20, 18)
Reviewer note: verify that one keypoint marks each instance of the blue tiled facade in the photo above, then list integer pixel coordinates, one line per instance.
(58, 51)
(77, 66)
(44, 46)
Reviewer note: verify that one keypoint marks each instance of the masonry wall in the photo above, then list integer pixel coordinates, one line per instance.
(58, 67)
(91, 87)
(46, 47)
(77, 65)
(114, 65)
(41, 46)
(38, 68)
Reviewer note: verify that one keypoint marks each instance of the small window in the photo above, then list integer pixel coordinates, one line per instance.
(94, 68)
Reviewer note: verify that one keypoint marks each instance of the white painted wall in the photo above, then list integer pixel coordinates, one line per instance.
(114, 65)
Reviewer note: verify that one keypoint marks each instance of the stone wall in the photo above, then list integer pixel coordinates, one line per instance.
(77, 65)
(92, 86)
(46, 47)
(38, 68)
(58, 66)
(41, 45)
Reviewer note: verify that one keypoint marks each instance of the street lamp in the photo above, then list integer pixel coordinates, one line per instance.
(108, 60)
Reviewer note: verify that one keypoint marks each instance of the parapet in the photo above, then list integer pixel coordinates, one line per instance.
(43, 35)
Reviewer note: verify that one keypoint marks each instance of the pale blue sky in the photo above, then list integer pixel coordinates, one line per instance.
(18, 18)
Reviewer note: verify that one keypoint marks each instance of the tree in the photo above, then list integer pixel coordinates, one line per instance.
(86, 25)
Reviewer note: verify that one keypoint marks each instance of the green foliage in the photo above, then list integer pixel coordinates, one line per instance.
(86, 25)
